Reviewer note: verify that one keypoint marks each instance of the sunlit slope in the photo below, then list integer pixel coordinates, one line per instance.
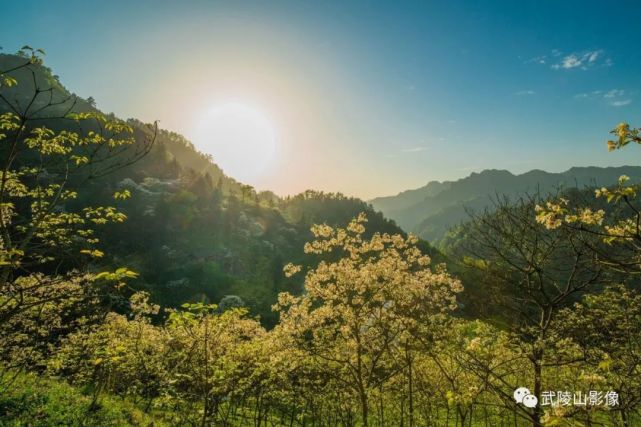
(192, 232)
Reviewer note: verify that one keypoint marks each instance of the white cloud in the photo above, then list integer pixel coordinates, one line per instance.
(570, 61)
(582, 60)
(538, 59)
(599, 93)
(621, 103)
(525, 92)
(613, 97)
(414, 149)
(614, 93)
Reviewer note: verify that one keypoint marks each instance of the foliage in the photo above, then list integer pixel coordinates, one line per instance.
(41, 175)
(41, 402)
(357, 310)
(110, 322)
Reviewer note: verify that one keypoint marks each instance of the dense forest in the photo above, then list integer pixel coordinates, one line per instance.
(141, 286)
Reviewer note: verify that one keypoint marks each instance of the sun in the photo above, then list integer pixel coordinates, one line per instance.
(240, 139)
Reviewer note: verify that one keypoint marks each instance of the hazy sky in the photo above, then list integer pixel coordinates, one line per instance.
(367, 98)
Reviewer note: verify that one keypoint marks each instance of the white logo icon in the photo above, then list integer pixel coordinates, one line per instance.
(523, 395)
(530, 401)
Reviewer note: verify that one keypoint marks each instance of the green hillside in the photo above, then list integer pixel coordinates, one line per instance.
(192, 233)
(432, 210)
(141, 286)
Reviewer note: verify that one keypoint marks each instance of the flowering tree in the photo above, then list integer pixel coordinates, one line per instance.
(359, 308)
(528, 274)
(618, 224)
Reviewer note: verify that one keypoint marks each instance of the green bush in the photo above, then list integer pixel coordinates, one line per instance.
(34, 401)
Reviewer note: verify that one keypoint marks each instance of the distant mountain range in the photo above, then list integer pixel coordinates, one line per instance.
(430, 211)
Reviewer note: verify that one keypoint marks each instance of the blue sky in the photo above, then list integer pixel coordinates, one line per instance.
(368, 98)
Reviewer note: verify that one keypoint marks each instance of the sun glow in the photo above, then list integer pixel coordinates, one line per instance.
(241, 140)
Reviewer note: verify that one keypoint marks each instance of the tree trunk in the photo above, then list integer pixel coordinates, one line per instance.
(536, 414)
(364, 409)
(410, 388)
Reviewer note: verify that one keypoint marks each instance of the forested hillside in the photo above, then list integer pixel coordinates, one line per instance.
(432, 210)
(192, 233)
(140, 286)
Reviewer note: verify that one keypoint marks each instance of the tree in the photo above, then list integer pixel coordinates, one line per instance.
(619, 228)
(530, 273)
(51, 145)
(246, 192)
(52, 308)
(120, 355)
(212, 355)
(360, 305)
(607, 329)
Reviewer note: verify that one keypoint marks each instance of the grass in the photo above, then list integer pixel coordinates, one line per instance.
(33, 401)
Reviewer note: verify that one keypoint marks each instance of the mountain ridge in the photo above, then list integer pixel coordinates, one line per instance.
(429, 211)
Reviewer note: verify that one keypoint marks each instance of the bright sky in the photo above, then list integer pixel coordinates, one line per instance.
(365, 98)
